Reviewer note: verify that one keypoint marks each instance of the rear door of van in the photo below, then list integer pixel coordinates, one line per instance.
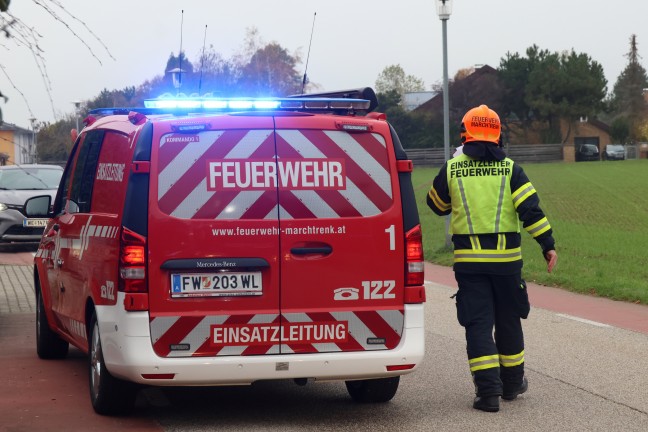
(342, 248)
(213, 237)
(271, 235)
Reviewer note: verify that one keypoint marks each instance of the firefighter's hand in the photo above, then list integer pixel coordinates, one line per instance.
(551, 257)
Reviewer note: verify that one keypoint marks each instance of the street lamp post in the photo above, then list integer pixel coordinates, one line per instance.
(176, 76)
(444, 9)
(34, 150)
(77, 104)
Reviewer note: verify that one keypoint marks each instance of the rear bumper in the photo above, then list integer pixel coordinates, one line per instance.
(128, 354)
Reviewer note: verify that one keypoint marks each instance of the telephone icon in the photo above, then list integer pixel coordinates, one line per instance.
(346, 294)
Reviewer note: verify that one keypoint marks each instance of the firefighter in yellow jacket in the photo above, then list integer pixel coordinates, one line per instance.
(487, 195)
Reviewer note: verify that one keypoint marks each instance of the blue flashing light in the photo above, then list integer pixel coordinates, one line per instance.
(239, 104)
(215, 104)
(190, 104)
(160, 103)
(267, 104)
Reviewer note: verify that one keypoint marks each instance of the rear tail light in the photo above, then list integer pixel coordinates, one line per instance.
(132, 270)
(414, 274)
(392, 368)
(162, 376)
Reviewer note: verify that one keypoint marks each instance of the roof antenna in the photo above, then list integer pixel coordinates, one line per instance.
(202, 61)
(180, 53)
(308, 55)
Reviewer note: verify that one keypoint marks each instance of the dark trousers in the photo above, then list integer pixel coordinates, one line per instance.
(486, 302)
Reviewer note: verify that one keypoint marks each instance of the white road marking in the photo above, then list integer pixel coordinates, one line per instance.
(583, 320)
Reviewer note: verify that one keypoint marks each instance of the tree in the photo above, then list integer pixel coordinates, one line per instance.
(415, 129)
(565, 86)
(259, 70)
(620, 130)
(54, 140)
(270, 72)
(217, 75)
(262, 70)
(514, 73)
(184, 72)
(628, 100)
(393, 78)
(546, 87)
(471, 88)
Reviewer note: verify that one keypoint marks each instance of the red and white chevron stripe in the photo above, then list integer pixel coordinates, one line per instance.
(259, 334)
(183, 165)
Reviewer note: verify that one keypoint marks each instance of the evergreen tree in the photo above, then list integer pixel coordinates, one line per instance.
(545, 88)
(628, 102)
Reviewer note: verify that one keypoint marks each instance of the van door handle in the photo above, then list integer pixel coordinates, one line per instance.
(320, 250)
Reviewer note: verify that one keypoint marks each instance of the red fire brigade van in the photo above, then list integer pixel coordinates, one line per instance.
(221, 242)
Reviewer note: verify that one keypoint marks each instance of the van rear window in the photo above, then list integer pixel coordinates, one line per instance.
(260, 174)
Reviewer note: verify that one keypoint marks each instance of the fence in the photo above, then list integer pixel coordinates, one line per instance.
(533, 153)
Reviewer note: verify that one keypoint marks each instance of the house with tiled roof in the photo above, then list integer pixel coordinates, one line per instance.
(476, 88)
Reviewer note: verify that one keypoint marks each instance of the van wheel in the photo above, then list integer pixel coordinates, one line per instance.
(49, 345)
(373, 390)
(109, 395)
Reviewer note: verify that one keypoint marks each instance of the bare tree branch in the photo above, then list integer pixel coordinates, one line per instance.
(16, 88)
(56, 16)
(27, 37)
(84, 25)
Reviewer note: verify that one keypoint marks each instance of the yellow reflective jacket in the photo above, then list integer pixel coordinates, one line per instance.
(482, 195)
(487, 199)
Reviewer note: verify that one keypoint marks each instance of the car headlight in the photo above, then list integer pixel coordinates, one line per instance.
(3, 207)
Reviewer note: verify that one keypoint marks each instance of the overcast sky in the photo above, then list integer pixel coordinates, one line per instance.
(353, 40)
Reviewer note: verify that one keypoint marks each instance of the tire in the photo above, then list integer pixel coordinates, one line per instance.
(109, 395)
(49, 345)
(373, 390)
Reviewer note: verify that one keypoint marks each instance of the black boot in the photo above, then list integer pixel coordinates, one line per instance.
(510, 394)
(486, 403)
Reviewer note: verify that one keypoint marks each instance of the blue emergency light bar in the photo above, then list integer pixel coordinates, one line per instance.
(345, 102)
(251, 104)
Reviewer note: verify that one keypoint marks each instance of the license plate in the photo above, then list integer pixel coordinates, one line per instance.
(216, 284)
(35, 222)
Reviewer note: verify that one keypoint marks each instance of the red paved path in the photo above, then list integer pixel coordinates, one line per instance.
(619, 314)
(39, 395)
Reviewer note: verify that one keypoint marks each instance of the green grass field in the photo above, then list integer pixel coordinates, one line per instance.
(599, 214)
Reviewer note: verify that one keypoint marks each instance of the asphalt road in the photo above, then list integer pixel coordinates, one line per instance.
(584, 374)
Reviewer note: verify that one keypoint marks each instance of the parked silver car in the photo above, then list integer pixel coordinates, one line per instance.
(613, 152)
(17, 183)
